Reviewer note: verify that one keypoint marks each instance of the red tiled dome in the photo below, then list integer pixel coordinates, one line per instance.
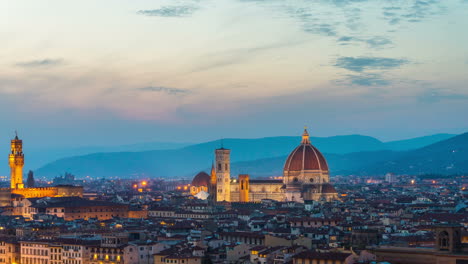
(328, 188)
(201, 179)
(305, 157)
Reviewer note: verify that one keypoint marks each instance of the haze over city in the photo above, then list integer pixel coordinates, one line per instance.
(87, 73)
(234, 132)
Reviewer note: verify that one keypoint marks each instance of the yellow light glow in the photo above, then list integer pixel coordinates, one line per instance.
(412, 181)
(144, 183)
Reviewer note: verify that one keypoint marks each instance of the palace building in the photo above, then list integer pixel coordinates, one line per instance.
(305, 178)
(16, 162)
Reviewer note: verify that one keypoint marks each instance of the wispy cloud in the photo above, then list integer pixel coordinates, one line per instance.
(376, 42)
(438, 95)
(170, 11)
(311, 22)
(346, 2)
(417, 11)
(39, 63)
(359, 64)
(367, 80)
(242, 55)
(320, 28)
(167, 90)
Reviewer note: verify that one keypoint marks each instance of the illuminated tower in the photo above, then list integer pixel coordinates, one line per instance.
(244, 180)
(16, 160)
(212, 189)
(223, 174)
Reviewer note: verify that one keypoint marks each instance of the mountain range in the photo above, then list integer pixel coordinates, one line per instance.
(352, 154)
(445, 157)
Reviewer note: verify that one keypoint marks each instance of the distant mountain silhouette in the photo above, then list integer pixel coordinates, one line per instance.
(414, 143)
(258, 157)
(445, 157)
(449, 156)
(183, 162)
(38, 157)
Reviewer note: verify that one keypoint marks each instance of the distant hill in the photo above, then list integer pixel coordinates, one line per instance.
(414, 143)
(353, 154)
(184, 161)
(38, 157)
(449, 156)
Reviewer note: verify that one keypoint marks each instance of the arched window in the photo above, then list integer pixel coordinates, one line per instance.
(295, 179)
(311, 179)
(444, 240)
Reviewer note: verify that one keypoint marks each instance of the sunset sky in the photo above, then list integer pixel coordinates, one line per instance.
(110, 72)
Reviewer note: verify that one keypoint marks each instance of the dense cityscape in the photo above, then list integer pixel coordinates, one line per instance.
(302, 217)
(234, 132)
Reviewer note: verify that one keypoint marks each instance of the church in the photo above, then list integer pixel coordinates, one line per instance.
(305, 178)
(16, 162)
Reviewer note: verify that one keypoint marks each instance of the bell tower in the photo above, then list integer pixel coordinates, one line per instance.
(16, 161)
(223, 174)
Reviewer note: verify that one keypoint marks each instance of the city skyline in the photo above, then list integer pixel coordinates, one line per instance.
(87, 73)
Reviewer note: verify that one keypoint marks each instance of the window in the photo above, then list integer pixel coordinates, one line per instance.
(311, 179)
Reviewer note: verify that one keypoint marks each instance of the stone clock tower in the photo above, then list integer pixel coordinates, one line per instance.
(16, 161)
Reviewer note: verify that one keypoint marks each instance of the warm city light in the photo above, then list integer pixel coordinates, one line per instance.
(237, 131)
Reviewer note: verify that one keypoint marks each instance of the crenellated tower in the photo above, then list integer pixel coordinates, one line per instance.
(223, 175)
(16, 161)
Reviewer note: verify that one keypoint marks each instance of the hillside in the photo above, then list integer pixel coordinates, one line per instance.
(184, 161)
(446, 157)
(352, 154)
(415, 143)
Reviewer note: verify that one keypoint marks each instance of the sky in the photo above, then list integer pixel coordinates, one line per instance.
(112, 72)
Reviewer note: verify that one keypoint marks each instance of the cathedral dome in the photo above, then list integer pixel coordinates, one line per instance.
(305, 157)
(201, 179)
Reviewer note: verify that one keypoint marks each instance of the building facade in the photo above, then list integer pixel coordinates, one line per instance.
(305, 178)
(16, 162)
